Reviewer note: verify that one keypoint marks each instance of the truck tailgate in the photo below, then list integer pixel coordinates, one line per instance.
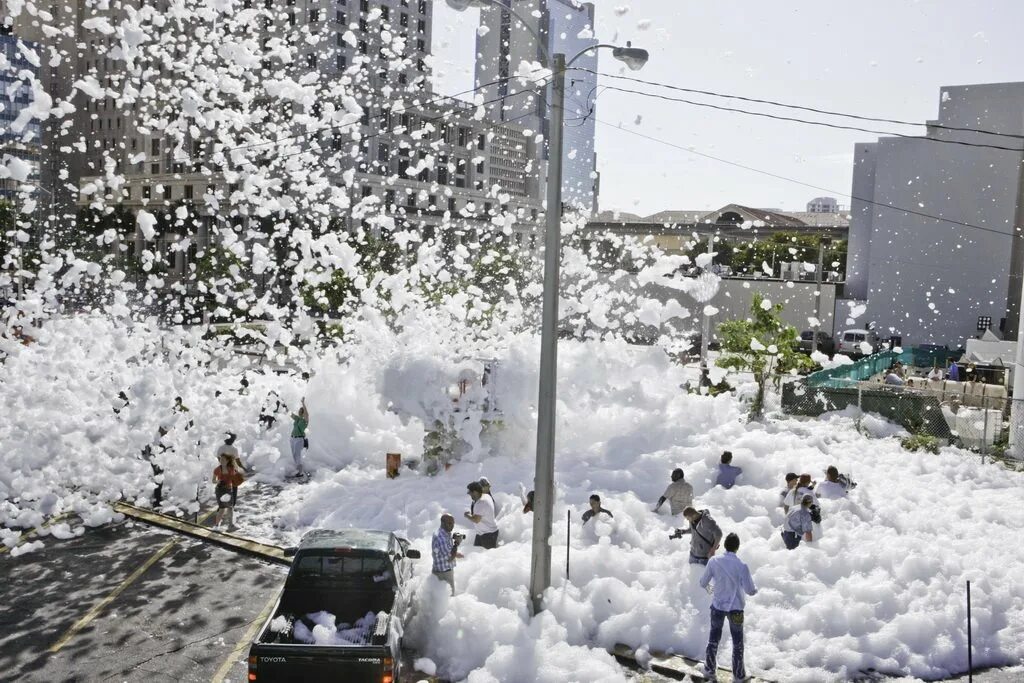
(296, 663)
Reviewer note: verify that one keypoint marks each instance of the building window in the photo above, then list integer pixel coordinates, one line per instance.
(402, 79)
(155, 147)
(421, 26)
(421, 45)
(403, 19)
(364, 5)
(452, 204)
(342, 62)
(146, 191)
(291, 18)
(423, 6)
(367, 191)
(154, 168)
(382, 153)
(363, 49)
(186, 191)
(314, 16)
(410, 200)
(385, 12)
(311, 61)
(363, 26)
(389, 198)
(341, 20)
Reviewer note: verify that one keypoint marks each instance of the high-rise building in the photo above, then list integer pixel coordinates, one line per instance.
(19, 130)
(349, 44)
(823, 205)
(504, 43)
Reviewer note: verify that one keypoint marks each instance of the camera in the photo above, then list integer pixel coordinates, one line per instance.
(678, 534)
(458, 538)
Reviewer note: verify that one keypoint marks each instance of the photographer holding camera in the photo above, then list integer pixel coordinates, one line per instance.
(445, 550)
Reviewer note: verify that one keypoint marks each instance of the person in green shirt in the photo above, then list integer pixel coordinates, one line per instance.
(300, 422)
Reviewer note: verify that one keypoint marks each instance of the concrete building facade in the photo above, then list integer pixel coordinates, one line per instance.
(932, 227)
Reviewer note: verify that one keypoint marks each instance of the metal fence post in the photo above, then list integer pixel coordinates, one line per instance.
(984, 428)
(860, 409)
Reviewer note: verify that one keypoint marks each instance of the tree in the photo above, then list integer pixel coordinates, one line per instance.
(763, 345)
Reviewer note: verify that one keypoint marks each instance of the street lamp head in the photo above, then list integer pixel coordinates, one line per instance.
(463, 5)
(633, 57)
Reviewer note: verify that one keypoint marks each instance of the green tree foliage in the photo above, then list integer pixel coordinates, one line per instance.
(762, 345)
(377, 254)
(748, 257)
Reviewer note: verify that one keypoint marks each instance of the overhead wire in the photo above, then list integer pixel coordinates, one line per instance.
(815, 110)
(824, 124)
(777, 176)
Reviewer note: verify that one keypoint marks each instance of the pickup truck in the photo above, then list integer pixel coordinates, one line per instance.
(340, 613)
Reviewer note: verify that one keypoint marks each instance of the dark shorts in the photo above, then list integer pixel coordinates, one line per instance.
(487, 540)
(224, 490)
(791, 539)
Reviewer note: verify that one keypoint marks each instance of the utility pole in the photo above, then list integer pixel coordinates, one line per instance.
(822, 242)
(1016, 449)
(544, 474)
(705, 327)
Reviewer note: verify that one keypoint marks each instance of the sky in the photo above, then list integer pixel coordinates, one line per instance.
(880, 58)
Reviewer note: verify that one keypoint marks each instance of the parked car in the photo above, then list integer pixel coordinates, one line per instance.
(852, 342)
(358, 577)
(826, 344)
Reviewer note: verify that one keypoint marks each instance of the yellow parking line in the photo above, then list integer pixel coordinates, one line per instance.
(32, 532)
(250, 633)
(95, 611)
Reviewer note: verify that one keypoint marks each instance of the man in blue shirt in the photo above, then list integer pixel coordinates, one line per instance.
(445, 550)
(731, 581)
(727, 473)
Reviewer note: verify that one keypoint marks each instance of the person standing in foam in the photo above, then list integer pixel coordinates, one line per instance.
(481, 514)
(727, 473)
(730, 579)
(831, 487)
(679, 494)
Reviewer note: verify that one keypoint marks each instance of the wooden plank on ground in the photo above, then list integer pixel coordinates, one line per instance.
(223, 539)
(679, 666)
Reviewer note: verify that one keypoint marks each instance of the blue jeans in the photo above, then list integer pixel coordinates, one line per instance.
(697, 560)
(736, 630)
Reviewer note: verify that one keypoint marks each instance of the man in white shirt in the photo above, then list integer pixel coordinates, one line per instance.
(481, 514)
(732, 580)
(679, 494)
(831, 487)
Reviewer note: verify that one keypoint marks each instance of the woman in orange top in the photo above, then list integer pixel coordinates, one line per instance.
(227, 476)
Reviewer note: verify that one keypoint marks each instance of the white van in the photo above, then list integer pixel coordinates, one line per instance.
(850, 341)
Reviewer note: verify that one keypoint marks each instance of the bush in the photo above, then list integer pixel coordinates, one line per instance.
(920, 442)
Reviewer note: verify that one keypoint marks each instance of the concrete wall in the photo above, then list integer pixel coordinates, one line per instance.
(928, 279)
(736, 295)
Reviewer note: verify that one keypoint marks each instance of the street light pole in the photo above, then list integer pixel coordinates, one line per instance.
(544, 476)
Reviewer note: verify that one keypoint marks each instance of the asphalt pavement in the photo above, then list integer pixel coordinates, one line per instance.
(127, 602)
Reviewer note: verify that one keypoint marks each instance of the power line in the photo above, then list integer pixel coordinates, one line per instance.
(808, 122)
(800, 182)
(785, 105)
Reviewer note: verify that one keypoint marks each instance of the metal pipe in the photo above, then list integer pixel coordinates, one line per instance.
(544, 476)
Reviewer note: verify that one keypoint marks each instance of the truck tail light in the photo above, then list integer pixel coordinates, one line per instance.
(389, 671)
(252, 668)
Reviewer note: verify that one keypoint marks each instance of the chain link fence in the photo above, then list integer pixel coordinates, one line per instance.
(972, 415)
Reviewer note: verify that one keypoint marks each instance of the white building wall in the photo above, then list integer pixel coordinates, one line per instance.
(928, 280)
